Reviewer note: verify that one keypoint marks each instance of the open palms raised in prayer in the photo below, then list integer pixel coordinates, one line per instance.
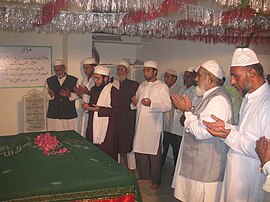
(84, 90)
(183, 104)
(146, 102)
(217, 128)
(263, 149)
(90, 107)
(134, 100)
(65, 93)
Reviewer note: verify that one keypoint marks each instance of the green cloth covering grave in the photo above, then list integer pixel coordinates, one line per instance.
(86, 172)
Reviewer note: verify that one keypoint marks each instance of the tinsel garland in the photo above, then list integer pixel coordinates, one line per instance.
(167, 7)
(50, 10)
(262, 6)
(190, 22)
(144, 5)
(114, 6)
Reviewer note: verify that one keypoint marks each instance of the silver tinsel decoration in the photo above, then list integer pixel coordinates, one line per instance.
(258, 5)
(114, 6)
(189, 22)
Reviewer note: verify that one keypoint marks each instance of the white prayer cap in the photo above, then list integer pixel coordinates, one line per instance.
(213, 67)
(152, 64)
(89, 61)
(58, 62)
(190, 69)
(244, 57)
(124, 63)
(102, 70)
(196, 69)
(171, 71)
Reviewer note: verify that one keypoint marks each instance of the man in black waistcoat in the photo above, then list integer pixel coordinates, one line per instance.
(59, 92)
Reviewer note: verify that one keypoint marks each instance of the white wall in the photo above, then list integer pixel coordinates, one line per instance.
(111, 53)
(77, 47)
(72, 49)
(182, 54)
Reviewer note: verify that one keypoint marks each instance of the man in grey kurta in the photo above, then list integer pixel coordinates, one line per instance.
(203, 157)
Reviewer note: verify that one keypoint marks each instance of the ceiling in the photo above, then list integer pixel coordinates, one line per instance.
(210, 21)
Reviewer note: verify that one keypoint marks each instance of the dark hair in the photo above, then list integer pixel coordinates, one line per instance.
(258, 68)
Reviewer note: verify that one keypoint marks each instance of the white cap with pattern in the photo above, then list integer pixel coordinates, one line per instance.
(244, 57)
(196, 69)
(58, 62)
(213, 67)
(102, 70)
(89, 61)
(171, 71)
(152, 64)
(124, 63)
(190, 69)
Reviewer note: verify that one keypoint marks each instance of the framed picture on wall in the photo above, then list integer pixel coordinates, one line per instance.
(24, 66)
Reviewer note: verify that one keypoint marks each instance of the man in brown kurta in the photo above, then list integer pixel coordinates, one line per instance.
(105, 102)
(127, 118)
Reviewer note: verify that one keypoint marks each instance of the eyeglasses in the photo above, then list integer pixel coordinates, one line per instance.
(121, 69)
(97, 78)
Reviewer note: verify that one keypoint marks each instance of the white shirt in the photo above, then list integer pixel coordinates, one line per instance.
(85, 98)
(187, 189)
(243, 180)
(194, 124)
(266, 172)
(172, 117)
(149, 120)
(89, 84)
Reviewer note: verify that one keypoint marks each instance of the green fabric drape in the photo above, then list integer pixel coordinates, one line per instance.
(83, 173)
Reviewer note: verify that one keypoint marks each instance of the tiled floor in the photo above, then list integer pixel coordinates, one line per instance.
(165, 192)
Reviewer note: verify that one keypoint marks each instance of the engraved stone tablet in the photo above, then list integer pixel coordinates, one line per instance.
(34, 111)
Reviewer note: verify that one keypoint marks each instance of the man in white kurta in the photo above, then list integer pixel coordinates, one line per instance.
(172, 134)
(59, 91)
(83, 90)
(203, 158)
(152, 100)
(243, 179)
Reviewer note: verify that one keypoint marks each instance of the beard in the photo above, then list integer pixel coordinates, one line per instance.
(200, 90)
(100, 85)
(244, 91)
(247, 86)
(121, 78)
